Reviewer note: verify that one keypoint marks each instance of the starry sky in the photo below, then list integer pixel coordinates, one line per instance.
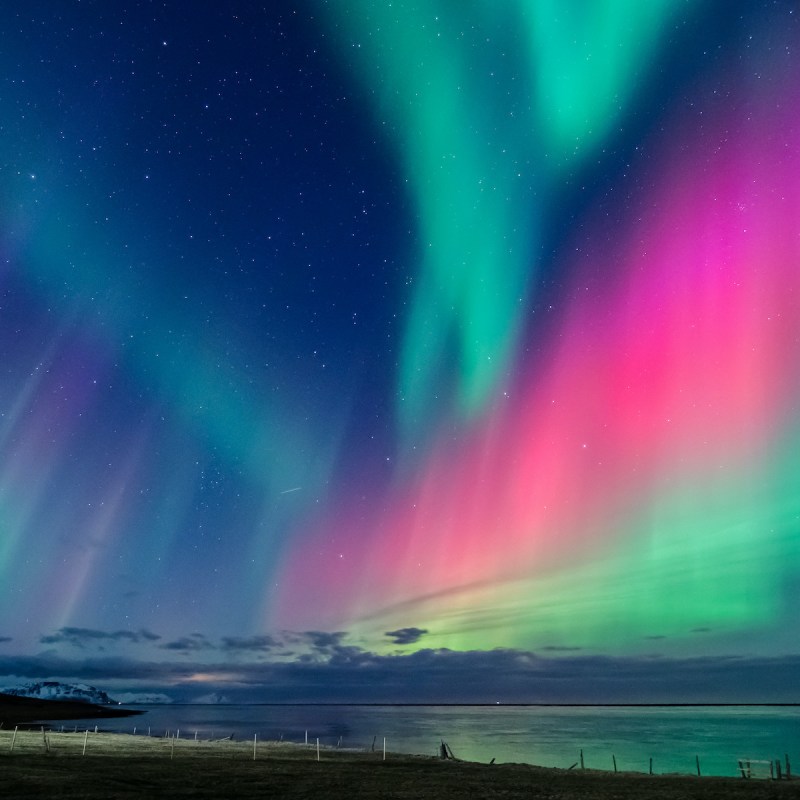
(401, 350)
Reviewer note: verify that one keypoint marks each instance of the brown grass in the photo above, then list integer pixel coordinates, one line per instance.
(126, 766)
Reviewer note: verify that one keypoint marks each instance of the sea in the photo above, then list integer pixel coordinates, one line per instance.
(666, 739)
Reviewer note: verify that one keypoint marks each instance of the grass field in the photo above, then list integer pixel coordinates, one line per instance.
(53, 764)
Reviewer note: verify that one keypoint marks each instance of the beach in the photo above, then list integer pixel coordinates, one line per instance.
(37, 763)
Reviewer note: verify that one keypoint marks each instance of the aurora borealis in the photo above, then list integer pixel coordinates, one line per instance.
(402, 338)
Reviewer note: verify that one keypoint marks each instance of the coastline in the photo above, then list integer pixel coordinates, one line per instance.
(28, 710)
(118, 765)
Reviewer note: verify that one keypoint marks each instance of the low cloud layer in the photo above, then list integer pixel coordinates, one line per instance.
(193, 643)
(351, 674)
(250, 644)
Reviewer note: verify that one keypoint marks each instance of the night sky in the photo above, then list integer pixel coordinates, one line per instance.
(401, 350)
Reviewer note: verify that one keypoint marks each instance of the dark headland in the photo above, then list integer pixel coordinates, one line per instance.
(23, 710)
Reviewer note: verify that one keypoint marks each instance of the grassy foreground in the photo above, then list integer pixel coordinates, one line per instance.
(126, 766)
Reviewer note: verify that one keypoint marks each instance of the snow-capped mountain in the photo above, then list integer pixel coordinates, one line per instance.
(53, 690)
(215, 698)
(144, 698)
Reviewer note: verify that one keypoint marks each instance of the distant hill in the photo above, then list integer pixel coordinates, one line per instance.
(15, 710)
(53, 690)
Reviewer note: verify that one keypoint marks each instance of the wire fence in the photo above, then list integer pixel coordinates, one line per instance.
(170, 744)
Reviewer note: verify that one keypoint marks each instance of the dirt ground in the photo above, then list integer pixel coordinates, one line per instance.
(124, 766)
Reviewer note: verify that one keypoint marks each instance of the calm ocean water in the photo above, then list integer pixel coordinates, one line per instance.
(547, 736)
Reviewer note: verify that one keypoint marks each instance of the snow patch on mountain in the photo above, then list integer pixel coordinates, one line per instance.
(144, 698)
(54, 690)
(215, 698)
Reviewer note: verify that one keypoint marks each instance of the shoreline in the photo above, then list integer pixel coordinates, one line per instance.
(30, 710)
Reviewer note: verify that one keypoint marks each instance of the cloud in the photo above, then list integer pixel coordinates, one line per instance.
(255, 644)
(406, 635)
(189, 644)
(321, 640)
(82, 637)
(5, 639)
(554, 648)
(106, 670)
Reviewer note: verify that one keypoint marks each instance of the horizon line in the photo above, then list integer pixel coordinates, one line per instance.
(500, 704)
